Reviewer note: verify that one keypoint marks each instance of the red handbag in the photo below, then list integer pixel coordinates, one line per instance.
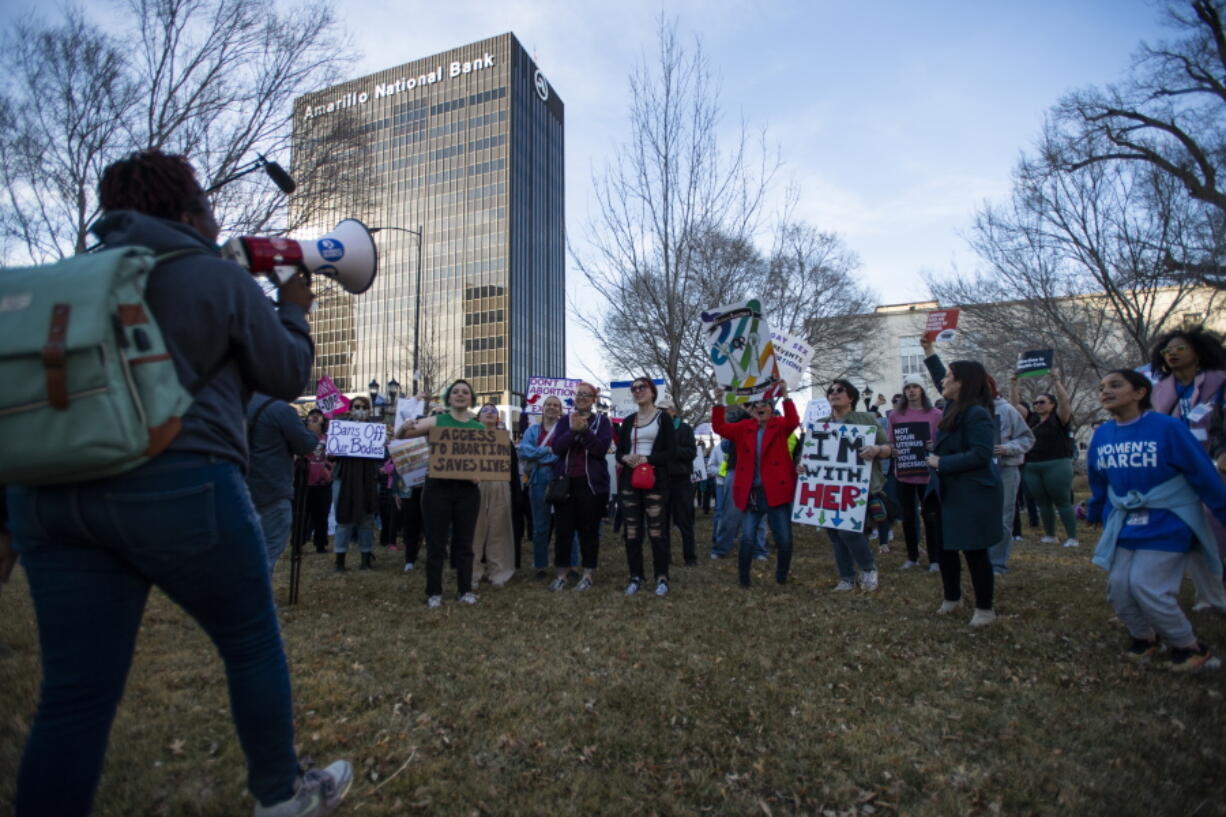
(643, 477)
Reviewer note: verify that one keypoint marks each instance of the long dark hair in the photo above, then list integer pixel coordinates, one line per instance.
(1138, 381)
(973, 391)
(1207, 346)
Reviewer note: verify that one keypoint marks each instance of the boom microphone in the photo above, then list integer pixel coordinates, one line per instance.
(280, 178)
(347, 255)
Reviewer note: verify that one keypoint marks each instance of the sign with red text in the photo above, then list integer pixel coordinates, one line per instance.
(539, 388)
(832, 481)
(942, 325)
(328, 398)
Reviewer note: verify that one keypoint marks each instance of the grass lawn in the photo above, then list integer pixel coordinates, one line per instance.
(715, 700)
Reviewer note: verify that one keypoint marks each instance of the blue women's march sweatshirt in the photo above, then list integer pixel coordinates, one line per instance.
(1140, 455)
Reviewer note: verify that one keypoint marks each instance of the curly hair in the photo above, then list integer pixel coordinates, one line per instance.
(1206, 344)
(151, 182)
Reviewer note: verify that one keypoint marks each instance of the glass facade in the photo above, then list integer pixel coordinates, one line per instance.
(465, 148)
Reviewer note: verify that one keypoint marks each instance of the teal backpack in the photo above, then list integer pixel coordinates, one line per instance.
(89, 387)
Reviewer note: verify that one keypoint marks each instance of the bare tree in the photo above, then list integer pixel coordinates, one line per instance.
(214, 79)
(672, 203)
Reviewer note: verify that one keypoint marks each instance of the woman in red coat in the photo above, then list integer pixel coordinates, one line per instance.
(765, 477)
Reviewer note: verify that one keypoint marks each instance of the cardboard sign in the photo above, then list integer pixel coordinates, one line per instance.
(541, 387)
(328, 398)
(741, 349)
(793, 356)
(911, 449)
(411, 458)
(350, 439)
(942, 325)
(622, 401)
(408, 408)
(832, 484)
(470, 453)
(817, 410)
(1035, 363)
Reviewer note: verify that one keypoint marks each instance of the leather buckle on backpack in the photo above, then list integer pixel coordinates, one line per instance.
(55, 357)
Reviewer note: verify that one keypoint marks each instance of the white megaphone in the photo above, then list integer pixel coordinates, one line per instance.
(347, 255)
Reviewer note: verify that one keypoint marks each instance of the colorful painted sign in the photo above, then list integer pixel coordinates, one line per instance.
(742, 352)
(541, 387)
(832, 481)
(942, 325)
(793, 356)
(411, 458)
(328, 398)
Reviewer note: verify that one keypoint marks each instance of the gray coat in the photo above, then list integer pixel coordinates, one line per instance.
(972, 497)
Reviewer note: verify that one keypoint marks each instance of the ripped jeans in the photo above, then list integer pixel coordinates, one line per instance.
(646, 512)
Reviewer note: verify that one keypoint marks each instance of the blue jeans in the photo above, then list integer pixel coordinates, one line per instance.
(91, 552)
(542, 517)
(1010, 476)
(344, 532)
(275, 521)
(779, 518)
(730, 522)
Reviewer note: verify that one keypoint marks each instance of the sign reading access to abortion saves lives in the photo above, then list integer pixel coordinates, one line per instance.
(832, 485)
(350, 439)
(470, 453)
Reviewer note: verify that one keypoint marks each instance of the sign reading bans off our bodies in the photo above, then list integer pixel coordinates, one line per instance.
(832, 489)
(350, 439)
(470, 453)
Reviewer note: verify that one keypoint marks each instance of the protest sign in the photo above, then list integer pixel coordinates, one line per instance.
(911, 449)
(408, 408)
(541, 387)
(328, 398)
(703, 430)
(699, 468)
(350, 439)
(793, 356)
(942, 325)
(740, 347)
(411, 458)
(832, 484)
(1035, 363)
(622, 401)
(470, 453)
(817, 410)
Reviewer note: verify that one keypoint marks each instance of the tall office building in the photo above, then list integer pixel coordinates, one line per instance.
(467, 145)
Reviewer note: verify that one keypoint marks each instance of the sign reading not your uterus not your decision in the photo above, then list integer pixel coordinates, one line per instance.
(740, 347)
(349, 439)
(470, 453)
(832, 485)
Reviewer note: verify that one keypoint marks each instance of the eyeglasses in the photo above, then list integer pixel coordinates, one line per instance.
(639, 387)
(1174, 349)
(835, 390)
(1041, 402)
(587, 394)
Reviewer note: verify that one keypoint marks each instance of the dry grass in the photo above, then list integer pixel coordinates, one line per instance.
(775, 701)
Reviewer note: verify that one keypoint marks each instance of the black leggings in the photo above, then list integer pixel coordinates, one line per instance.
(580, 514)
(409, 525)
(646, 512)
(909, 496)
(318, 503)
(978, 565)
(449, 507)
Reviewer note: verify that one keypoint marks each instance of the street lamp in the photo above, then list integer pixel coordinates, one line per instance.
(416, 296)
(393, 391)
(373, 387)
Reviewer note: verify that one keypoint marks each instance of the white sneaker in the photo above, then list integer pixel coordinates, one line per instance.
(469, 598)
(982, 618)
(948, 607)
(933, 567)
(319, 792)
(661, 587)
(434, 601)
(891, 539)
(868, 580)
(1017, 538)
(844, 585)
(1071, 543)
(1048, 540)
(408, 566)
(633, 586)
(907, 565)
(883, 548)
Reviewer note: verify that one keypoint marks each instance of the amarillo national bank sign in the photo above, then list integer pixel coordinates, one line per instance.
(383, 89)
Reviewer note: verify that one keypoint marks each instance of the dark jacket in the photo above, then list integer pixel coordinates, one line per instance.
(592, 444)
(213, 313)
(687, 450)
(276, 436)
(972, 497)
(663, 451)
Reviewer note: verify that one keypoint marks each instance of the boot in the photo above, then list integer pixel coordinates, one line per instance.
(368, 561)
(340, 563)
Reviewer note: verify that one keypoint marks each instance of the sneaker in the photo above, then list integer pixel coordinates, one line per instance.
(715, 555)
(760, 557)
(907, 565)
(434, 601)
(982, 618)
(844, 585)
(557, 584)
(1048, 540)
(1071, 543)
(933, 567)
(661, 587)
(1190, 659)
(891, 537)
(469, 598)
(868, 580)
(633, 586)
(319, 792)
(883, 548)
(948, 607)
(1017, 538)
(584, 584)
(1142, 649)
(408, 567)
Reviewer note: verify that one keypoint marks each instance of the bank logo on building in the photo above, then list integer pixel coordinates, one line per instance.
(542, 85)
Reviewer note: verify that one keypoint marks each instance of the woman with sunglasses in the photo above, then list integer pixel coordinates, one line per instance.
(969, 483)
(355, 497)
(1048, 473)
(912, 489)
(581, 443)
(646, 444)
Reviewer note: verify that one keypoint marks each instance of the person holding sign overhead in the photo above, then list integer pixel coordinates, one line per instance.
(449, 506)
(646, 444)
(912, 427)
(1049, 463)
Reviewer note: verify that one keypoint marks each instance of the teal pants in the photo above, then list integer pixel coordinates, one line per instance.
(1051, 485)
